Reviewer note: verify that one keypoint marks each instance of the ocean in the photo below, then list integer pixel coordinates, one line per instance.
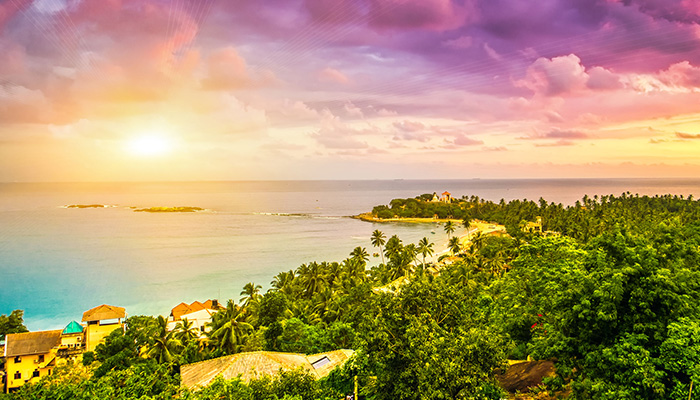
(56, 262)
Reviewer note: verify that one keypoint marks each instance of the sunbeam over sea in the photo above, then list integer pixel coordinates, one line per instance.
(56, 262)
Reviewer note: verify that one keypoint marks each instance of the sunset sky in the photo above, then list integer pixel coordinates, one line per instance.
(125, 90)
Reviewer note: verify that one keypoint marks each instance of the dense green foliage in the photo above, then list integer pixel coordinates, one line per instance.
(612, 297)
(13, 323)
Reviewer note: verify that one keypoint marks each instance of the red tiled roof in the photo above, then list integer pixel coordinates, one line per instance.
(28, 343)
(184, 308)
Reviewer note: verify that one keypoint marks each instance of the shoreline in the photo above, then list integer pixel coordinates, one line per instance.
(368, 217)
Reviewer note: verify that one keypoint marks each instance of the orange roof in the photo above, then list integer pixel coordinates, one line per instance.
(28, 343)
(104, 312)
(184, 308)
(446, 194)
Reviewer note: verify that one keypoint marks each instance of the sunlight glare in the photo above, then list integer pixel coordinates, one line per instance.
(149, 145)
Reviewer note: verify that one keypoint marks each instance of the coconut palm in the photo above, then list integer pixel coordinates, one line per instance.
(164, 344)
(378, 240)
(185, 331)
(360, 253)
(450, 228)
(467, 223)
(229, 328)
(312, 278)
(393, 247)
(282, 281)
(425, 248)
(454, 245)
(250, 293)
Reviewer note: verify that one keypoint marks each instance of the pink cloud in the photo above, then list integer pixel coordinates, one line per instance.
(226, 70)
(329, 74)
(9, 8)
(435, 15)
(564, 75)
(681, 75)
(462, 42)
(556, 76)
(409, 126)
(12, 58)
(464, 140)
(684, 135)
(602, 79)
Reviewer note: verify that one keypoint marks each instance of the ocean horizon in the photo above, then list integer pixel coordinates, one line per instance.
(56, 262)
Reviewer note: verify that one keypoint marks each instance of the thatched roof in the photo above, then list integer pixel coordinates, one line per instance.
(28, 343)
(254, 365)
(104, 311)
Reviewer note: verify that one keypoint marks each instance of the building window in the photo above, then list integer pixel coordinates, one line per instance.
(320, 363)
(79, 338)
(35, 374)
(41, 359)
(18, 360)
(18, 375)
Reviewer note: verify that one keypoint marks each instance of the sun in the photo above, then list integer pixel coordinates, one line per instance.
(149, 145)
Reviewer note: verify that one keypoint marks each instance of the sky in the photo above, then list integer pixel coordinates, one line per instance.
(143, 90)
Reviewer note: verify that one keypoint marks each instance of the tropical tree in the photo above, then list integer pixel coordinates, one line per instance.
(229, 328)
(378, 240)
(393, 247)
(425, 248)
(164, 344)
(250, 293)
(454, 245)
(450, 228)
(186, 332)
(282, 280)
(359, 253)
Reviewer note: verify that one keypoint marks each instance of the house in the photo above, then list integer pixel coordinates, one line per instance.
(101, 321)
(198, 313)
(29, 356)
(533, 227)
(200, 320)
(446, 197)
(256, 364)
(32, 355)
(183, 308)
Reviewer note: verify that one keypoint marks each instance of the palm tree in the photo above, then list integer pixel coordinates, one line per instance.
(425, 248)
(185, 332)
(454, 245)
(312, 278)
(467, 222)
(282, 280)
(250, 293)
(229, 328)
(164, 344)
(378, 239)
(393, 247)
(359, 253)
(450, 228)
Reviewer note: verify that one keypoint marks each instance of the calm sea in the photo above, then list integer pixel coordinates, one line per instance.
(57, 262)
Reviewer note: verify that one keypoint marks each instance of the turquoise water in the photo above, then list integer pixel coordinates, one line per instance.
(57, 262)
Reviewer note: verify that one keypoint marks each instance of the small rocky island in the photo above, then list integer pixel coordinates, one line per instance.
(169, 209)
(87, 206)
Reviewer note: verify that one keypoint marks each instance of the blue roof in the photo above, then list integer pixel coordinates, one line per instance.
(73, 327)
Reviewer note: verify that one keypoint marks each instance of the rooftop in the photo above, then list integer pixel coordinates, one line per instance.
(73, 327)
(183, 308)
(28, 343)
(104, 311)
(254, 365)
